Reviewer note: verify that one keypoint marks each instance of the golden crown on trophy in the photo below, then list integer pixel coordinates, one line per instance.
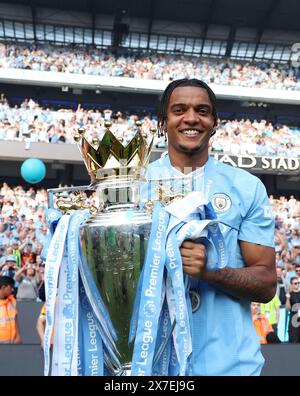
(109, 157)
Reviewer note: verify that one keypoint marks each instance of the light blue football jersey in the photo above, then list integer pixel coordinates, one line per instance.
(224, 338)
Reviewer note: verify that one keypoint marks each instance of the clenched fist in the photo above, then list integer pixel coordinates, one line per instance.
(193, 258)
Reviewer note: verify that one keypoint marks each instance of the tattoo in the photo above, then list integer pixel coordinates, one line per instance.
(241, 282)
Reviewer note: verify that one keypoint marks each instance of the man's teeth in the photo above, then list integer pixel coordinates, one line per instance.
(191, 132)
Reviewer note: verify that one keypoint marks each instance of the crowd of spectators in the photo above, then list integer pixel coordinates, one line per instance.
(23, 234)
(31, 122)
(165, 67)
(256, 138)
(287, 231)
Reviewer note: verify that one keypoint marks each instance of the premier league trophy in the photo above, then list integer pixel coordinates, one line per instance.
(111, 313)
(114, 238)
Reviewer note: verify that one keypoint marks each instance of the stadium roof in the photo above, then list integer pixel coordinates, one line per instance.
(261, 14)
(250, 30)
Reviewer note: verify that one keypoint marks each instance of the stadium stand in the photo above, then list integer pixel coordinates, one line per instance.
(152, 67)
(32, 123)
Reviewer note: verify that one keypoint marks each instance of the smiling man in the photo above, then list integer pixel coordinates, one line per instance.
(189, 121)
(224, 339)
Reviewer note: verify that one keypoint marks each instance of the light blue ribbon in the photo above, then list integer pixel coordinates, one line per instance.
(162, 299)
(91, 362)
(163, 343)
(150, 298)
(102, 318)
(171, 356)
(177, 289)
(89, 323)
(52, 217)
(77, 219)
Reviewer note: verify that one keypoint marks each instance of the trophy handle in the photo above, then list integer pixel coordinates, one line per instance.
(74, 201)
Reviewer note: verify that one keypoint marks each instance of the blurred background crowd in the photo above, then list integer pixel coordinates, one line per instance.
(30, 122)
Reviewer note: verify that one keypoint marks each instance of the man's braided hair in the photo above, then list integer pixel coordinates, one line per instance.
(184, 82)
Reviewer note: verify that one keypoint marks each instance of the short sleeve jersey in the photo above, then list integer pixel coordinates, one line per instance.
(224, 339)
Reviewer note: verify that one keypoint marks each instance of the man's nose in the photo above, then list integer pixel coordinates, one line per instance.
(191, 116)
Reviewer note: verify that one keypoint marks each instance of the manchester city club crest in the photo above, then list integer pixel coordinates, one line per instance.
(221, 202)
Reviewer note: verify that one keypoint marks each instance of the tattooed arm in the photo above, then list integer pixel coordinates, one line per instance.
(255, 282)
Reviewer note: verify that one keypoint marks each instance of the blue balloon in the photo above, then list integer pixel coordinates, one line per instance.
(33, 170)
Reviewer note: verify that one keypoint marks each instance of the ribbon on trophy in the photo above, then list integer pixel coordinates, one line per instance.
(161, 322)
(83, 333)
(84, 337)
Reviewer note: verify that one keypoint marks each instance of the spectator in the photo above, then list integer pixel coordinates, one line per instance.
(16, 251)
(29, 280)
(41, 286)
(43, 236)
(2, 256)
(281, 286)
(290, 272)
(9, 269)
(293, 306)
(6, 236)
(297, 270)
(41, 326)
(39, 261)
(9, 328)
(271, 312)
(27, 253)
(261, 323)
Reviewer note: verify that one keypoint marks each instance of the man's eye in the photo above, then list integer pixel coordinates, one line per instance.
(203, 111)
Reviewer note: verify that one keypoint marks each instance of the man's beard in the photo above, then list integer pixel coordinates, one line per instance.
(193, 150)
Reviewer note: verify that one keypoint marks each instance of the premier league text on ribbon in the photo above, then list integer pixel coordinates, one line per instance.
(181, 303)
(93, 344)
(151, 291)
(53, 261)
(69, 330)
(177, 302)
(157, 247)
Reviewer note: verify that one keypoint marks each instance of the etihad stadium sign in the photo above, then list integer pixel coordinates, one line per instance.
(252, 163)
(264, 164)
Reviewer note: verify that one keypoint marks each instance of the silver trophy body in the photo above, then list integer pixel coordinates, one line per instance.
(114, 242)
(114, 238)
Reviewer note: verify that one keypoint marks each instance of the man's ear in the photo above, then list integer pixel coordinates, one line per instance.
(216, 126)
